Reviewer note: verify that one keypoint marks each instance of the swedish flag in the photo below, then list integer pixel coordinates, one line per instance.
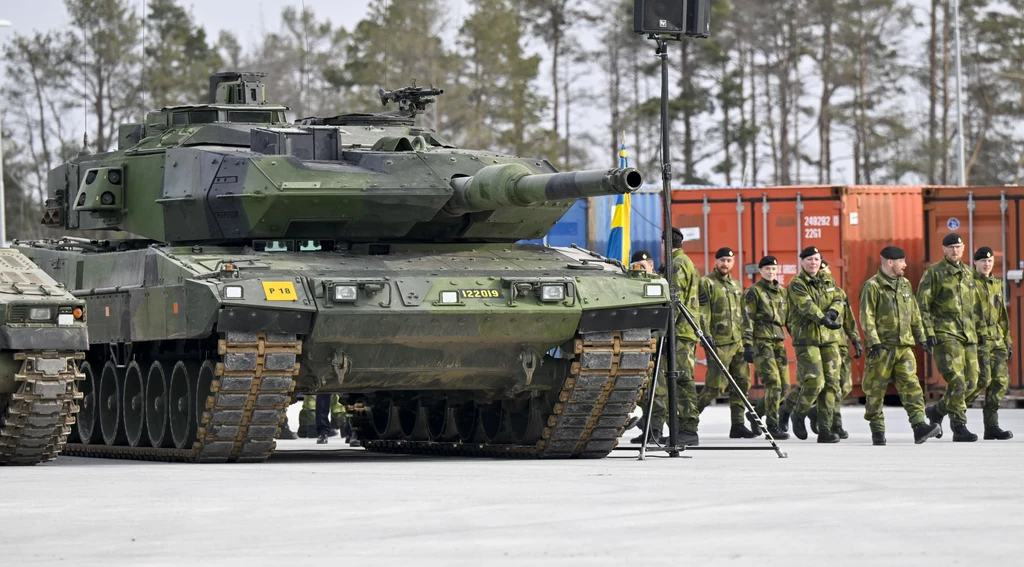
(618, 237)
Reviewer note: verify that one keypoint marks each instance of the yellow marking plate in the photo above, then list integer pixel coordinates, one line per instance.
(279, 291)
(479, 293)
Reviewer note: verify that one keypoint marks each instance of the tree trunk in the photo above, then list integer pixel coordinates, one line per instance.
(933, 146)
(753, 117)
(945, 93)
(688, 165)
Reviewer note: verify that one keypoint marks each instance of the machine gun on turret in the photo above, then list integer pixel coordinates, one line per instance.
(412, 100)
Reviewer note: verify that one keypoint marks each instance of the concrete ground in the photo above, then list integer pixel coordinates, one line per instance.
(848, 504)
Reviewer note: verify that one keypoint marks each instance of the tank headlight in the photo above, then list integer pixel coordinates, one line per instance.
(114, 176)
(40, 314)
(232, 292)
(107, 198)
(346, 292)
(653, 290)
(552, 292)
(449, 297)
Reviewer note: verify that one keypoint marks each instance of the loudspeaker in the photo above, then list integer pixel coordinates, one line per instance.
(660, 16)
(698, 18)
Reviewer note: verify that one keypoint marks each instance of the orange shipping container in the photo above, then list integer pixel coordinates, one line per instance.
(983, 216)
(849, 225)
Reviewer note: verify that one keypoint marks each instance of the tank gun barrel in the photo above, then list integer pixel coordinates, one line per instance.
(513, 185)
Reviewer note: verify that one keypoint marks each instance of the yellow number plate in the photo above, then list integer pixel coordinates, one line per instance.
(479, 293)
(279, 291)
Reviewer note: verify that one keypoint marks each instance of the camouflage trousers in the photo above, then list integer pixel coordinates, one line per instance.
(772, 367)
(686, 391)
(716, 382)
(307, 415)
(845, 383)
(817, 381)
(993, 381)
(898, 365)
(958, 363)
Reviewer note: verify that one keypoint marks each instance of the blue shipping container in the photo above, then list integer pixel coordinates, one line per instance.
(570, 229)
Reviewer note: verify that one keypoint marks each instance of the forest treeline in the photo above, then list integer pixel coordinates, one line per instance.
(784, 91)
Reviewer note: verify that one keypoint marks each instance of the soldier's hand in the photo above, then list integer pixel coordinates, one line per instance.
(875, 352)
(858, 350)
(748, 353)
(933, 340)
(981, 340)
(711, 341)
(1009, 352)
(830, 323)
(832, 314)
(926, 346)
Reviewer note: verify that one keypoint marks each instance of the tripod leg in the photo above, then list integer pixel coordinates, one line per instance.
(649, 410)
(751, 413)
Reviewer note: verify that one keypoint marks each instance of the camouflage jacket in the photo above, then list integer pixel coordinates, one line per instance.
(687, 280)
(846, 317)
(721, 308)
(991, 319)
(889, 313)
(764, 312)
(809, 298)
(946, 297)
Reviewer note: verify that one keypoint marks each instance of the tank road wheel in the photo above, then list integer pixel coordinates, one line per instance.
(436, 415)
(180, 406)
(133, 404)
(111, 419)
(527, 423)
(460, 422)
(86, 420)
(386, 420)
(157, 425)
(204, 381)
(493, 424)
(408, 422)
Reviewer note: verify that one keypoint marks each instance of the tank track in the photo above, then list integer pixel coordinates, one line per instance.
(255, 377)
(606, 377)
(37, 420)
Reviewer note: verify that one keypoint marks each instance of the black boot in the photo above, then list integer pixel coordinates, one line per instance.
(754, 427)
(307, 431)
(839, 431)
(961, 434)
(827, 437)
(322, 439)
(799, 429)
(994, 433)
(878, 438)
(688, 439)
(286, 432)
(740, 431)
(777, 434)
(812, 416)
(631, 423)
(925, 431)
(932, 413)
(783, 419)
(653, 438)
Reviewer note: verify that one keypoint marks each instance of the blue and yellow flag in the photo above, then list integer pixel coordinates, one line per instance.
(618, 238)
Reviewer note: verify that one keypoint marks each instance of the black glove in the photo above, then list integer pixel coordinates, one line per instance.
(832, 314)
(785, 360)
(875, 352)
(748, 353)
(858, 350)
(829, 322)
(981, 340)
(932, 340)
(1009, 352)
(711, 340)
(926, 345)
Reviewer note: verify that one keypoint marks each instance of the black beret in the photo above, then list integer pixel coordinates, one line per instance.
(952, 239)
(676, 234)
(640, 256)
(983, 252)
(824, 263)
(767, 261)
(893, 253)
(725, 252)
(808, 252)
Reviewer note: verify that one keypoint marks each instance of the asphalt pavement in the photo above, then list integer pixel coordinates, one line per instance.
(940, 503)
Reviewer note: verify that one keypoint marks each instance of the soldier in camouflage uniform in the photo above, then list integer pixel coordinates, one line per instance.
(764, 314)
(846, 363)
(892, 324)
(994, 343)
(721, 314)
(946, 297)
(686, 280)
(813, 322)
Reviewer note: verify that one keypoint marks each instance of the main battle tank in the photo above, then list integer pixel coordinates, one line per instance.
(42, 333)
(356, 254)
